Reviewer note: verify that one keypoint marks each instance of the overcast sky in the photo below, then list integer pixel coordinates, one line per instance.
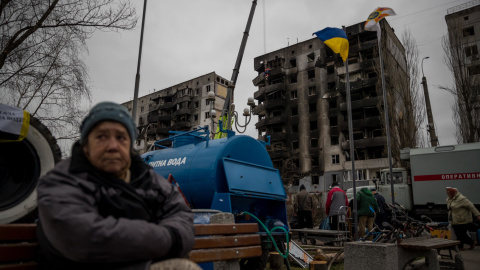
(184, 39)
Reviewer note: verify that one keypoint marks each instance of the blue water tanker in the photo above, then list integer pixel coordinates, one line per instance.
(233, 174)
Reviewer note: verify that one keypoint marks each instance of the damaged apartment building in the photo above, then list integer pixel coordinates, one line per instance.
(302, 107)
(181, 107)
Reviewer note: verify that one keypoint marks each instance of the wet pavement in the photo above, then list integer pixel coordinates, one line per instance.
(471, 258)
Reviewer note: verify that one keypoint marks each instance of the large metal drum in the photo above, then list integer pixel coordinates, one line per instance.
(232, 174)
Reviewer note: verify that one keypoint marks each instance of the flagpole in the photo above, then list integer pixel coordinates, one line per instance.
(352, 150)
(385, 105)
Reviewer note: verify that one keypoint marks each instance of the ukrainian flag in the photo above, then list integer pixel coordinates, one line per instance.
(336, 39)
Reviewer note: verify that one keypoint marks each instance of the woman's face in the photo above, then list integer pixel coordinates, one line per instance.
(451, 192)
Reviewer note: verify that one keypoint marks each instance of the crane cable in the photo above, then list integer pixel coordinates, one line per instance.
(264, 30)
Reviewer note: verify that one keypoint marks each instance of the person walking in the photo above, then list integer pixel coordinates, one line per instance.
(460, 211)
(104, 208)
(336, 205)
(304, 207)
(367, 206)
(381, 216)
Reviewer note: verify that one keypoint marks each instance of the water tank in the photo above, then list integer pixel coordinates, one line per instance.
(232, 174)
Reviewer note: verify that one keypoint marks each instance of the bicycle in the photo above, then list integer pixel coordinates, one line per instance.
(377, 234)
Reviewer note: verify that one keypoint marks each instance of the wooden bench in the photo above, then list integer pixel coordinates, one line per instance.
(213, 242)
(431, 243)
(219, 242)
(18, 246)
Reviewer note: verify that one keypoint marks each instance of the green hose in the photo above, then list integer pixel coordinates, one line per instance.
(285, 256)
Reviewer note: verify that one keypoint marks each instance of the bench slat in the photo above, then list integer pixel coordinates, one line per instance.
(17, 252)
(220, 254)
(226, 241)
(17, 232)
(208, 229)
(214, 242)
(23, 266)
(425, 244)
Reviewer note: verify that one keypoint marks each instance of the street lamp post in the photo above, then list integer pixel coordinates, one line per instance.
(145, 138)
(430, 126)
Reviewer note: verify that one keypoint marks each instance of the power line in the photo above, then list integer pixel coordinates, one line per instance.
(427, 9)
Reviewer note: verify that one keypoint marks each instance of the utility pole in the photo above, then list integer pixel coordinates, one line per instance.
(430, 127)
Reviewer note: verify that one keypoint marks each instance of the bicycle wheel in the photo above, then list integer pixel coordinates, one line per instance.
(392, 240)
(379, 238)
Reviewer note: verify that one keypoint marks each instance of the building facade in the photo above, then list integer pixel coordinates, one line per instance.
(302, 107)
(180, 107)
(463, 24)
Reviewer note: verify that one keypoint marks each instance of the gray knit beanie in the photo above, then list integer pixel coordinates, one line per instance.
(107, 111)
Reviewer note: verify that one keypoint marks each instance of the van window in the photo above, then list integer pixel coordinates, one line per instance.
(397, 178)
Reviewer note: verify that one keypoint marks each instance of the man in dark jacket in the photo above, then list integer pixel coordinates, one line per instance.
(382, 208)
(367, 206)
(105, 208)
(303, 207)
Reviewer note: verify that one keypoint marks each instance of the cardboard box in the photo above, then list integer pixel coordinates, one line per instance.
(445, 234)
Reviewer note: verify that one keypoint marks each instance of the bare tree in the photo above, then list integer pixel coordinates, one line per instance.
(42, 44)
(413, 98)
(461, 57)
(405, 101)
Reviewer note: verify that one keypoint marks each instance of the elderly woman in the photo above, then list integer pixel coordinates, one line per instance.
(460, 211)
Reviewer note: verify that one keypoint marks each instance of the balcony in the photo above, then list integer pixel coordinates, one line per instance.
(184, 111)
(370, 82)
(274, 87)
(362, 123)
(276, 73)
(276, 103)
(260, 123)
(351, 68)
(163, 130)
(278, 136)
(153, 108)
(281, 119)
(151, 131)
(365, 143)
(354, 85)
(260, 94)
(366, 45)
(164, 118)
(181, 112)
(367, 64)
(259, 109)
(165, 106)
(259, 80)
(182, 99)
(367, 102)
(152, 118)
(353, 49)
(182, 125)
